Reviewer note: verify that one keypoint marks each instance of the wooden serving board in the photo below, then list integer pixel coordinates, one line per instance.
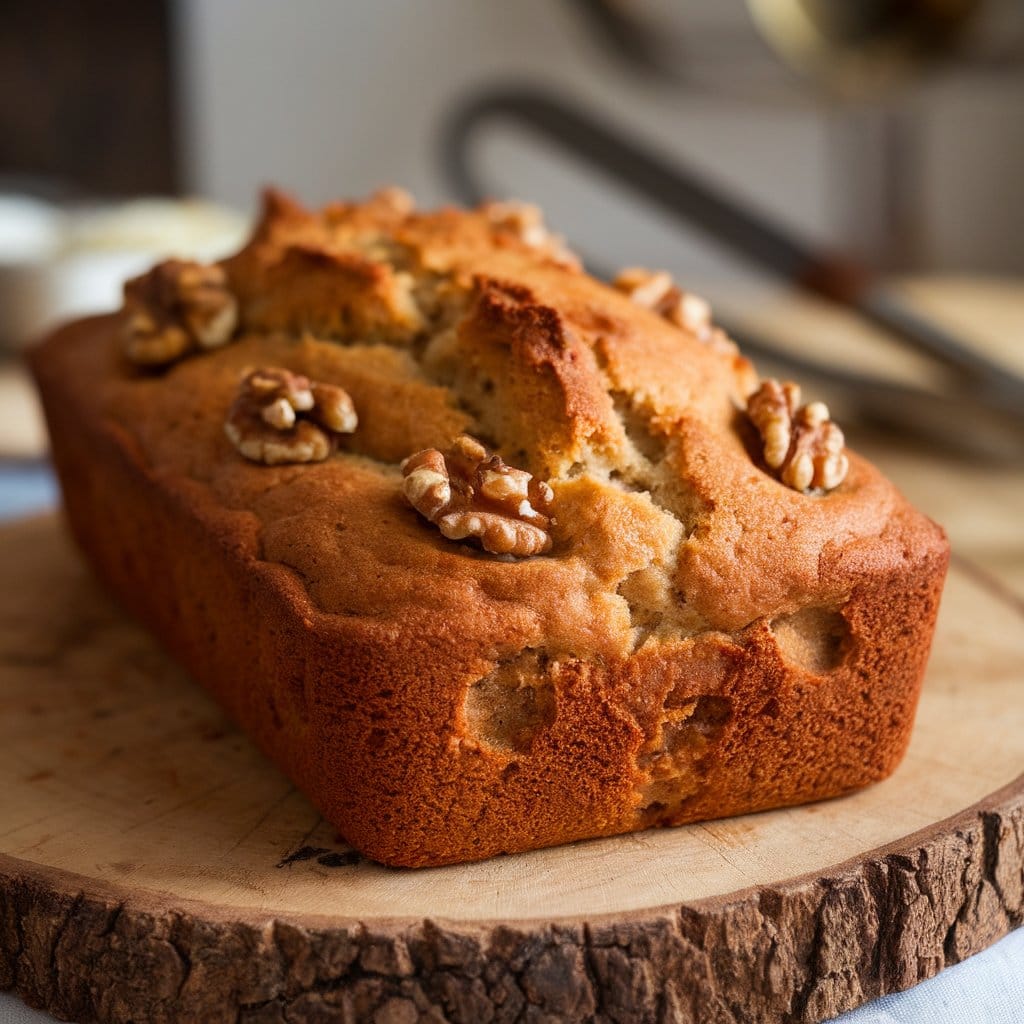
(155, 867)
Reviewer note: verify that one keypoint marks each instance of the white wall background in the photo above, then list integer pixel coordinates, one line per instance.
(329, 98)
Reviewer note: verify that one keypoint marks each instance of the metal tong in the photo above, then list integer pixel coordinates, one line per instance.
(980, 409)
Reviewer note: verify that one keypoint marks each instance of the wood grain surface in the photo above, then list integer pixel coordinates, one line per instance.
(153, 866)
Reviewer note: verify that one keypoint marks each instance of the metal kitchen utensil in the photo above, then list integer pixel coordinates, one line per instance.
(993, 390)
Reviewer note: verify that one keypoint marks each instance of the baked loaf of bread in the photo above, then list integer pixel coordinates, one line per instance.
(485, 554)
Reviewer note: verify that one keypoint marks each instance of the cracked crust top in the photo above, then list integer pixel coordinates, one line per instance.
(448, 325)
(670, 535)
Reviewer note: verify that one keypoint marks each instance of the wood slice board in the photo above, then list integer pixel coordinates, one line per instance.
(155, 867)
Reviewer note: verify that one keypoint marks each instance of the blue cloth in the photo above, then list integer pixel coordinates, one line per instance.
(26, 487)
(987, 989)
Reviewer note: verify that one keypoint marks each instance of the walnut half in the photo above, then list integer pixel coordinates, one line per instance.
(176, 308)
(279, 416)
(525, 222)
(800, 442)
(655, 290)
(468, 493)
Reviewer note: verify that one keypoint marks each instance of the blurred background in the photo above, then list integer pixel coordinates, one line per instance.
(331, 97)
(892, 130)
(811, 146)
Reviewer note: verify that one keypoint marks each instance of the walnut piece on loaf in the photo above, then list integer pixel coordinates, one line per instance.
(467, 493)
(525, 222)
(177, 308)
(657, 291)
(799, 441)
(279, 416)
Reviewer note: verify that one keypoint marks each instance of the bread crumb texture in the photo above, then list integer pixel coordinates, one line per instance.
(698, 640)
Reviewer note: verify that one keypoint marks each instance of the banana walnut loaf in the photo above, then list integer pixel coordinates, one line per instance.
(485, 554)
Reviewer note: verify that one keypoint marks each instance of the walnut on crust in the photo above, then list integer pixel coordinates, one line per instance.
(800, 443)
(657, 291)
(525, 222)
(396, 198)
(177, 308)
(468, 493)
(279, 416)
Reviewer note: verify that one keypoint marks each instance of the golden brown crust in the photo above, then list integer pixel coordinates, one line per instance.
(700, 640)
